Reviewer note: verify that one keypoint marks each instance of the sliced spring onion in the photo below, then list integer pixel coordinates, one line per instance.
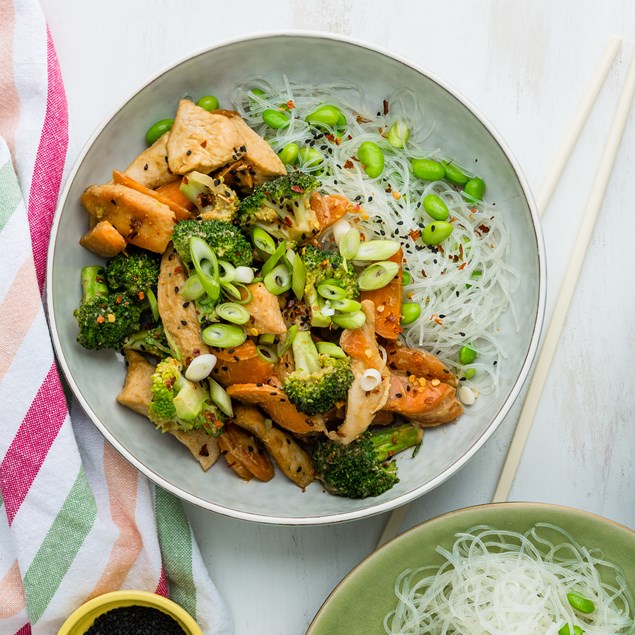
(232, 291)
(221, 398)
(223, 335)
(268, 353)
(192, 289)
(273, 260)
(340, 229)
(233, 312)
(202, 255)
(262, 240)
(350, 320)
(298, 277)
(278, 280)
(331, 292)
(244, 293)
(327, 310)
(398, 134)
(346, 305)
(200, 367)
(227, 271)
(154, 305)
(330, 349)
(376, 250)
(378, 275)
(285, 345)
(370, 379)
(267, 339)
(290, 256)
(244, 274)
(350, 243)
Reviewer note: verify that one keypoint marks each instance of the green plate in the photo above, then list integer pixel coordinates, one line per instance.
(360, 602)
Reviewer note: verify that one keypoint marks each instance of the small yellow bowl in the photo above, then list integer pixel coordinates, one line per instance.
(84, 617)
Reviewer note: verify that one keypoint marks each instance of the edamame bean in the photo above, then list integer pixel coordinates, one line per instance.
(436, 232)
(580, 603)
(398, 134)
(467, 355)
(468, 373)
(258, 92)
(454, 174)
(208, 102)
(427, 169)
(325, 115)
(475, 188)
(158, 130)
(406, 278)
(341, 121)
(436, 207)
(275, 118)
(289, 154)
(310, 157)
(372, 158)
(409, 312)
(565, 630)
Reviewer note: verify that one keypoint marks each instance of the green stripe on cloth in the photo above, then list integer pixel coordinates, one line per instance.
(60, 546)
(175, 541)
(10, 194)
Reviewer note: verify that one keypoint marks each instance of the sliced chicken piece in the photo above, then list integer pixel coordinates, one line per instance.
(139, 218)
(150, 168)
(276, 404)
(179, 318)
(104, 240)
(237, 175)
(245, 454)
(264, 308)
(264, 163)
(202, 140)
(136, 393)
(241, 365)
(294, 462)
(388, 301)
(418, 362)
(361, 405)
(427, 402)
(180, 212)
(204, 448)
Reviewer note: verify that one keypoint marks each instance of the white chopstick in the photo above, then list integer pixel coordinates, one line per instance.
(397, 516)
(567, 289)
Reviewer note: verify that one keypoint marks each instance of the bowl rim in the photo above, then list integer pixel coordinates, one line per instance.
(104, 601)
(486, 507)
(505, 406)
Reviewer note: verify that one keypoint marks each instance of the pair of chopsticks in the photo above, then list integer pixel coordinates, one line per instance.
(561, 308)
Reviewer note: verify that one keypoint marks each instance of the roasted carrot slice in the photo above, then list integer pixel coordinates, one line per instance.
(172, 192)
(388, 301)
(242, 365)
(241, 447)
(123, 179)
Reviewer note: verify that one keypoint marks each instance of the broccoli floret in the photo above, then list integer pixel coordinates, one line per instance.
(321, 266)
(105, 318)
(225, 240)
(178, 401)
(362, 468)
(282, 208)
(152, 341)
(318, 381)
(135, 273)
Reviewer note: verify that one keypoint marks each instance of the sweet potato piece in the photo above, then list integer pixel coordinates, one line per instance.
(139, 218)
(172, 192)
(420, 363)
(241, 448)
(104, 240)
(242, 365)
(294, 462)
(275, 403)
(388, 301)
(180, 213)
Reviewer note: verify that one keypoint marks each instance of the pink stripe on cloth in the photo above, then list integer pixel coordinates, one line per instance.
(32, 442)
(25, 630)
(162, 587)
(49, 164)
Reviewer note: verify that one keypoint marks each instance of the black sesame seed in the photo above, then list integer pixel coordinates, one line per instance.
(145, 167)
(184, 322)
(188, 153)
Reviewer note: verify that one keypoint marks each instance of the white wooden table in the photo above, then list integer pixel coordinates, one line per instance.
(526, 65)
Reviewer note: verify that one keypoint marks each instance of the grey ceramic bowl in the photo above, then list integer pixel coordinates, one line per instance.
(97, 377)
(360, 602)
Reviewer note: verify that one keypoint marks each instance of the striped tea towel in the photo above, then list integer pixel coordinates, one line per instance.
(76, 519)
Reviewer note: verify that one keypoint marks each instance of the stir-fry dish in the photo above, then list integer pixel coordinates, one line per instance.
(268, 311)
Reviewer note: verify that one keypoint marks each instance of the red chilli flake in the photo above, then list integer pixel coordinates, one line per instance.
(349, 164)
(415, 234)
(290, 104)
(484, 228)
(297, 188)
(100, 319)
(462, 266)
(385, 106)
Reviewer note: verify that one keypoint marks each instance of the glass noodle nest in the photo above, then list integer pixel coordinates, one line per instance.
(464, 286)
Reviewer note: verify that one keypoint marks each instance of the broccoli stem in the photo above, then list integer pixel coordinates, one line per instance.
(305, 353)
(93, 283)
(392, 440)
